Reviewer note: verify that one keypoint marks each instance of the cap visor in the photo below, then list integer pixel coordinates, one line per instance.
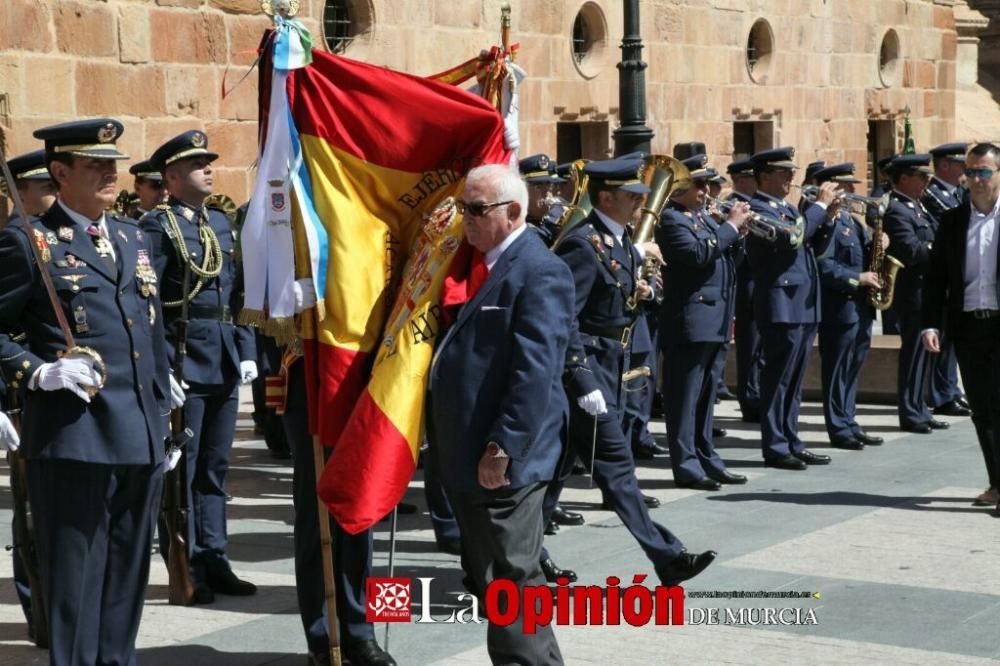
(109, 154)
(636, 188)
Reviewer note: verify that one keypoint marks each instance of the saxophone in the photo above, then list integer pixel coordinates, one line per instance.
(887, 267)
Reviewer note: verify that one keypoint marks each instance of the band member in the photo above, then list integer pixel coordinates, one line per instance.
(187, 237)
(715, 184)
(496, 401)
(961, 293)
(539, 172)
(148, 186)
(944, 192)
(93, 430)
(809, 180)
(745, 328)
(911, 236)
(786, 304)
(605, 267)
(845, 330)
(882, 185)
(699, 279)
(33, 182)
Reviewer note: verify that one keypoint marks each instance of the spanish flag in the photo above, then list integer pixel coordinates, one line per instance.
(372, 157)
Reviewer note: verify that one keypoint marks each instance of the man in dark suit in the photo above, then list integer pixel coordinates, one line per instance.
(605, 267)
(911, 236)
(496, 402)
(846, 327)
(187, 236)
(699, 279)
(786, 304)
(961, 293)
(944, 192)
(93, 430)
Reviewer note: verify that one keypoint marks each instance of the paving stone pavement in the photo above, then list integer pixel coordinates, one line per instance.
(907, 571)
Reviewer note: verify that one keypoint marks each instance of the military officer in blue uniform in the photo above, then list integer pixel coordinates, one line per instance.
(809, 180)
(699, 280)
(94, 414)
(605, 267)
(846, 327)
(944, 192)
(539, 172)
(186, 236)
(148, 186)
(911, 236)
(786, 303)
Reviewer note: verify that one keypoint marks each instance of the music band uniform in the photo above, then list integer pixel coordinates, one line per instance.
(216, 346)
(94, 474)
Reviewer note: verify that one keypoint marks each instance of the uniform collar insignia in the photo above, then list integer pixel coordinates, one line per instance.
(609, 240)
(65, 233)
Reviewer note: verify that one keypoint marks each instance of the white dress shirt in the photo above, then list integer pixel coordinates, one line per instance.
(85, 222)
(493, 255)
(618, 231)
(981, 260)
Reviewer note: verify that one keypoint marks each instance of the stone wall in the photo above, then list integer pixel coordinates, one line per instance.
(158, 65)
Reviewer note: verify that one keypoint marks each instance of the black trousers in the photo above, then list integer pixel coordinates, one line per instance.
(93, 530)
(977, 344)
(352, 553)
(502, 538)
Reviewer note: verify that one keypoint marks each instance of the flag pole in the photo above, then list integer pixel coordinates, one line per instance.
(326, 547)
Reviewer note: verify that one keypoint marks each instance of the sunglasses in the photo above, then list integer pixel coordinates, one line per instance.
(985, 174)
(477, 208)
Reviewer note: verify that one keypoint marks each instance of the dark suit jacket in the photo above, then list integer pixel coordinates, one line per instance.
(124, 423)
(944, 289)
(497, 375)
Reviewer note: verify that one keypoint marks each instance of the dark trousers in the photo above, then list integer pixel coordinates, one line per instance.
(210, 413)
(614, 473)
(913, 372)
(943, 387)
(840, 377)
(502, 539)
(978, 349)
(690, 385)
(352, 553)
(785, 348)
(748, 355)
(93, 530)
(719, 370)
(22, 586)
(442, 517)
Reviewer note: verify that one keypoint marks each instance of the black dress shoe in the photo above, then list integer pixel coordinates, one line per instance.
(563, 517)
(725, 394)
(685, 566)
(810, 458)
(919, 428)
(704, 483)
(203, 595)
(728, 478)
(938, 425)
(751, 416)
(579, 469)
(650, 502)
(553, 573)
(366, 653)
(551, 528)
(719, 432)
(952, 409)
(223, 581)
(962, 402)
(658, 449)
(850, 444)
(785, 462)
(868, 440)
(450, 546)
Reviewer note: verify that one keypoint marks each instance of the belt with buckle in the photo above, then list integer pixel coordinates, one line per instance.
(215, 313)
(983, 314)
(622, 334)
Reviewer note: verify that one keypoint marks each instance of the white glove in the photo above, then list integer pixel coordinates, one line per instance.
(74, 372)
(305, 294)
(248, 371)
(9, 441)
(176, 394)
(593, 403)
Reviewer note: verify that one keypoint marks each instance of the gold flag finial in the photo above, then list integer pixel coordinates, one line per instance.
(283, 8)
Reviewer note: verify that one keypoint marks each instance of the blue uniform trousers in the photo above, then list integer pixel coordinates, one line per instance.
(837, 355)
(785, 349)
(352, 553)
(93, 531)
(943, 386)
(913, 373)
(690, 386)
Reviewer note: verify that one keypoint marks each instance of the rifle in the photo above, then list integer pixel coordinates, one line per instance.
(180, 590)
(24, 528)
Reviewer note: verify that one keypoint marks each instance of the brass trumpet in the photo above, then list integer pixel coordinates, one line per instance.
(575, 211)
(762, 226)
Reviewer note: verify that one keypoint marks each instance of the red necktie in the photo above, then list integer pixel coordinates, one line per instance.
(478, 273)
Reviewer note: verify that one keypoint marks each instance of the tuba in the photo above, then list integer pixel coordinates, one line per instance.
(881, 263)
(575, 211)
(663, 175)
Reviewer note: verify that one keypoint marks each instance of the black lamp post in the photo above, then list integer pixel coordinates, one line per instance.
(632, 135)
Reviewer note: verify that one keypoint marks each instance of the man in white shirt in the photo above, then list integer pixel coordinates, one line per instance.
(960, 293)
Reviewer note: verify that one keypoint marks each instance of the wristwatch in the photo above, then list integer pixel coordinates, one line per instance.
(495, 451)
